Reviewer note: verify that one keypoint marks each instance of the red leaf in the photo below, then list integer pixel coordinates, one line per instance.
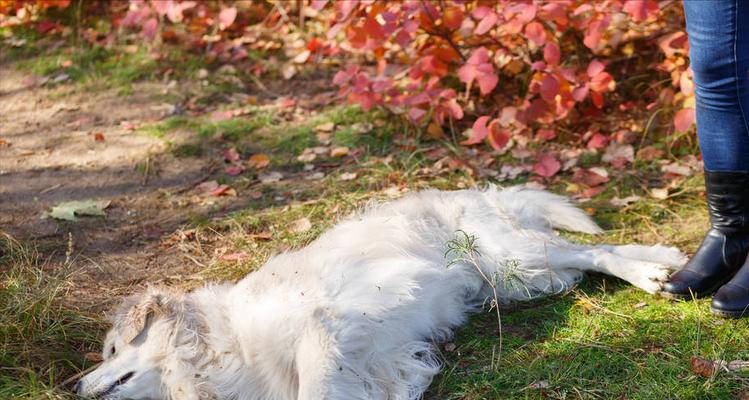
(226, 17)
(597, 98)
(99, 137)
(373, 29)
(598, 141)
(549, 88)
(479, 132)
(547, 166)
(498, 136)
(546, 134)
(684, 119)
(486, 23)
(551, 53)
(452, 17)
(536, 33)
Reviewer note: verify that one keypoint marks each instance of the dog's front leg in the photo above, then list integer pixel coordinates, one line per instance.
(321, 373)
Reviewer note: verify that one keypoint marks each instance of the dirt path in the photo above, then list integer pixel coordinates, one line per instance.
(49, 153)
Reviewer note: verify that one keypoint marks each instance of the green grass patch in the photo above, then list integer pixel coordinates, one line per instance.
(41, 341)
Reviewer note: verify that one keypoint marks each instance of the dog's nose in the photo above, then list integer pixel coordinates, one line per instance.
(78, 388)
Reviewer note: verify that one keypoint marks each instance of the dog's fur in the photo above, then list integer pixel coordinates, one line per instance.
(354, 315)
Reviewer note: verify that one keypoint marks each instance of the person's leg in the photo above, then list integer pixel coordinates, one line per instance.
(719, 57)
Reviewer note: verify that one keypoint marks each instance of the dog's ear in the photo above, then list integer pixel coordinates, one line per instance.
(138, 311)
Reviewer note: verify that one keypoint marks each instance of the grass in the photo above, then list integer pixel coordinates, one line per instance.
(604, 340)
(41, 342)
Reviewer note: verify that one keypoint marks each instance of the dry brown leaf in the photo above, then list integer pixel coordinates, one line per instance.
(339, 151)
(300, 225)
(325, 127)
(348, 176)
(259, 160)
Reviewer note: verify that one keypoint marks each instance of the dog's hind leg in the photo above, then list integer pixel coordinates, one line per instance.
(659, 254)
(646, 275)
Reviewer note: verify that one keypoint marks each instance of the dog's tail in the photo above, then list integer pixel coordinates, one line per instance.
(556, 209)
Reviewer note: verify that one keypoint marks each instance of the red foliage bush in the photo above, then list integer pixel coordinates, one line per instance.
(514, 68)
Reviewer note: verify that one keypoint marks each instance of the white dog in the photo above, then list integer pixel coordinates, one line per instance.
(355, 314)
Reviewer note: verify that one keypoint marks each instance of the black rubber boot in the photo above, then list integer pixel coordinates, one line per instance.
(732, 299)
(724, 248)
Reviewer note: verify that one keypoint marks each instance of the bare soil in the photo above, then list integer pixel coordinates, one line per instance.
(49, 153)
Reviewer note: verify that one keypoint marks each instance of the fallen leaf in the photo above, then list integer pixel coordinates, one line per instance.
(547, 166)
(325, 127)
(702, 367)
(207, 186)
(649, 153)
(348, 176)
(99, 137)
(300, 225)
(68, 210)
(270, 177)
(684, 119)
(625, 201)
(231, 155)
(315, 176)
(93, 357)
(259, 160)
(339, 151)
(233, 170)
(265, 235)
(539, 384)
(223, 190)
(242, 255)
(659, 193)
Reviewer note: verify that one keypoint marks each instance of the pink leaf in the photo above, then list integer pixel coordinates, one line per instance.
(551, 53)
(598, 141)
(318, 5)
(536, 33)
(594, 33)
(487, 81)
(151, 28)
(242, 255)
(231, 154)
(233, 170)
(479, 132)
(640, 10)
(580, 93)
(547, 166)
(602, 82)
(684, 119)
(416, 114)
(486, 23)
(226, 17)
(594, 68)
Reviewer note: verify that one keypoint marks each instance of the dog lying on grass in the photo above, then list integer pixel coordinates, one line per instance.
(354, 315)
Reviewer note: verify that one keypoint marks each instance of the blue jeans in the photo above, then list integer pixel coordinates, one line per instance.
(719, 56)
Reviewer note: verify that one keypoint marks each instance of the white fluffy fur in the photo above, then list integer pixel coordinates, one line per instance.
(354, 315)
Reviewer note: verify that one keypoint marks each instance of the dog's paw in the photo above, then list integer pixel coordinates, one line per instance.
(649, 277)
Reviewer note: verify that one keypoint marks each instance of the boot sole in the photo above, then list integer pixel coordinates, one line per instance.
(688, 296)
(730, 314)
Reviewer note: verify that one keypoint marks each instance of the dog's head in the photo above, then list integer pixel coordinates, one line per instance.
(136, 349)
